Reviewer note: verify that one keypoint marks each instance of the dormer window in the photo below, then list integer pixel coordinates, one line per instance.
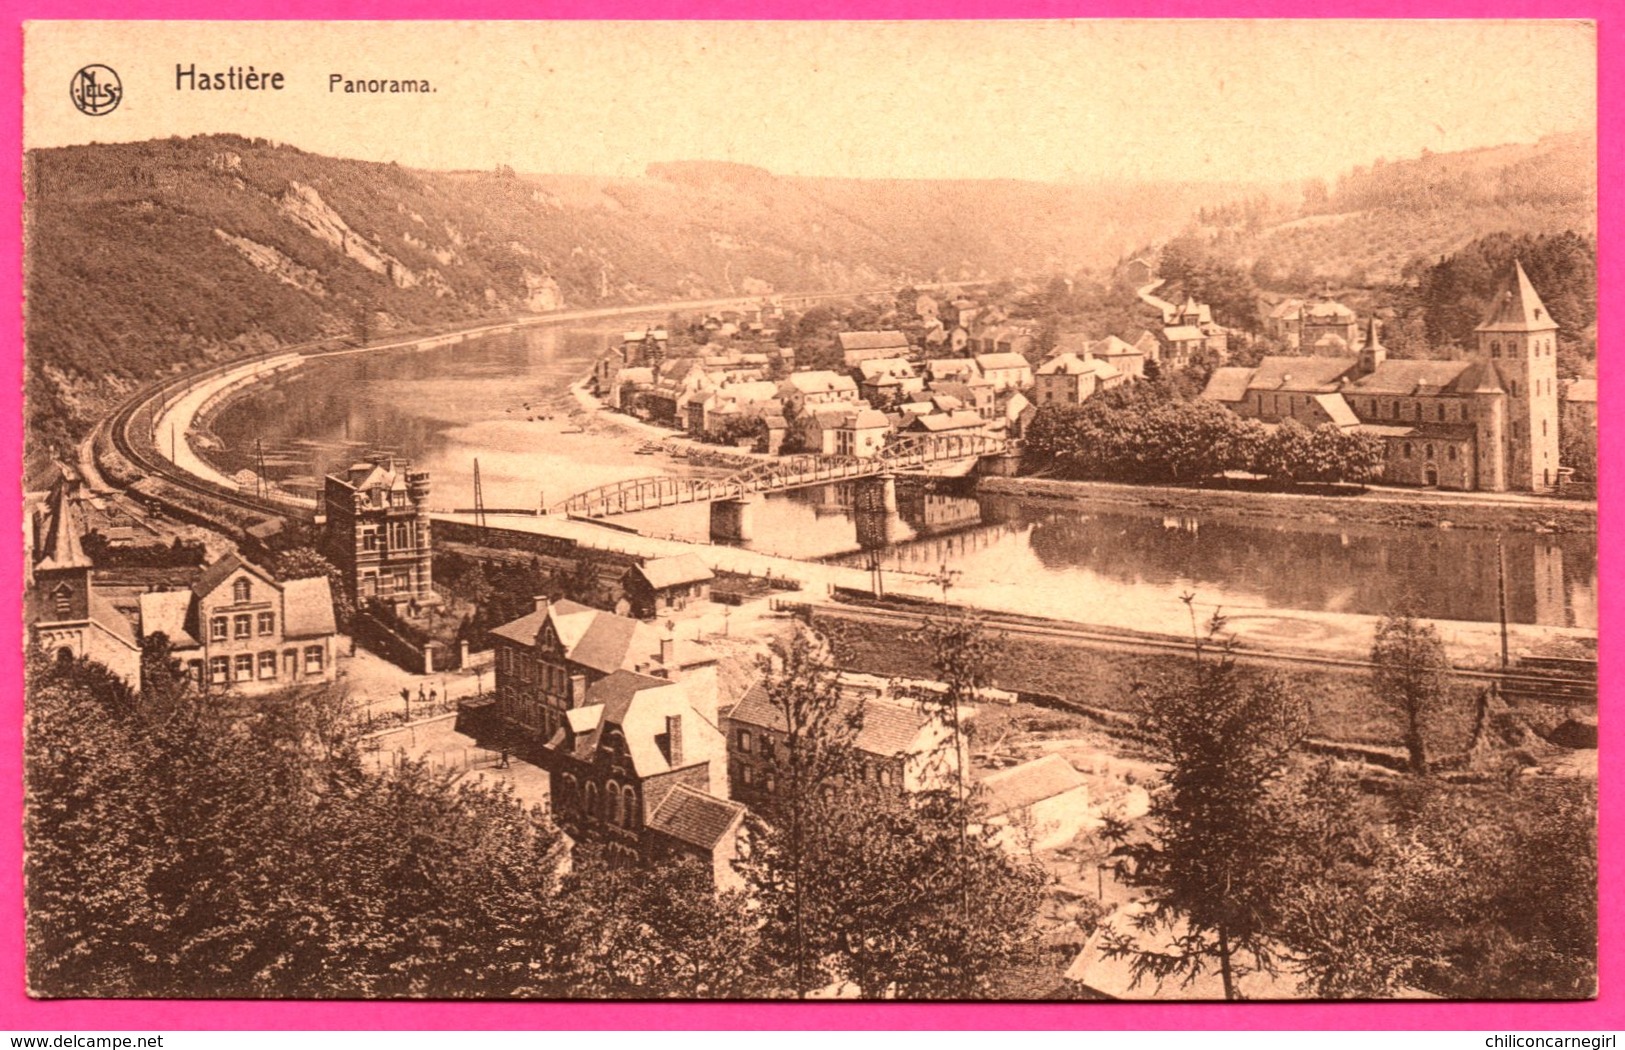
(242, 591)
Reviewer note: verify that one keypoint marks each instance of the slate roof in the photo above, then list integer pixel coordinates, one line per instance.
(943, 421)
(944, 367)
(871, 340)
(600, 640)
(62, 548)
(1338, 409)
(819, 382)
(1111, 346)
(889, 728)
(1018, 788)
(1516, 307)
(675, 571)
(694, 817)
(307, 608)
(165, 612)
(990, 362)
(1228, 384)
(1406, 378)
(112, 621)
(886, 367)
(1327, 310)
(1307, 375)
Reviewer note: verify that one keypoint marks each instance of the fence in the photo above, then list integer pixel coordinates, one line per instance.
(372, 633)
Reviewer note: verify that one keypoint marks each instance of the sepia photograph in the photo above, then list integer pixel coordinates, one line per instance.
(1019, 511)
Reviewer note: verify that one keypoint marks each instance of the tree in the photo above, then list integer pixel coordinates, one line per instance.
(654, 931)
(1410, 676)
(1210, 860)
(803, 687)
(963, 656)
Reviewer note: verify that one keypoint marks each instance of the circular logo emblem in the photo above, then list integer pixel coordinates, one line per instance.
(96, 90)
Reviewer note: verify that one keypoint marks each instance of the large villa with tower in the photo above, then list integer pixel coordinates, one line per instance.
(1485, 422)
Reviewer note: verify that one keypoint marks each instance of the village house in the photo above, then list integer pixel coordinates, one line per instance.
(238, 627)
(1006, 371)
(1486, 422)
(858, 347)
(1327, 327)
(977, 395)
(803, 389)
(65, 614)
(639, 767)
(660, 586)
(377, 532)
(898, 747)
(888, 380)
(547, 659)
(1002, 339)
(844, 430)
(1125, 358)
(677, 382)
(644, 347)
(1579, 409)
(946, 422)
(1067, 379)
(951, 370)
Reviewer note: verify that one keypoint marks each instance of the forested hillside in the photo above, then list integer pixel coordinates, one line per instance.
(145, 257)
(1380, 223)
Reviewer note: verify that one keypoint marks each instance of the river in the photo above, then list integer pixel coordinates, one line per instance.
(490, 399)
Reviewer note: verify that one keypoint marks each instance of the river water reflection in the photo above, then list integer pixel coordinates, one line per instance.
(490, 398)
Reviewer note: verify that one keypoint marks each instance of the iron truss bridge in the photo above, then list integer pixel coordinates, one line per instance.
(915, 452)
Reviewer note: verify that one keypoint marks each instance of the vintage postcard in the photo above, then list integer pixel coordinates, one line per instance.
(1013, 510)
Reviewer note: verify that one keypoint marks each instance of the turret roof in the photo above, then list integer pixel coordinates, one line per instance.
(1517, 307)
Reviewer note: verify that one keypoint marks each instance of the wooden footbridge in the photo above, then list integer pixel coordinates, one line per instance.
(914, 452)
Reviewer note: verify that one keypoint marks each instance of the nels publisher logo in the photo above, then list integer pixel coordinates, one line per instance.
(96, 90)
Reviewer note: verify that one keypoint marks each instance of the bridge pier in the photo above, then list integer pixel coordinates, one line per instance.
(877, 494)
(1004, 465)
(733, 520)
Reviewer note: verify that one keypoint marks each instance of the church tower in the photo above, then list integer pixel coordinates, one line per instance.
(1373, 353)
(1519, 341)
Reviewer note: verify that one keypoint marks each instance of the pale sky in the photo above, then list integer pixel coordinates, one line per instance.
(1243, 100)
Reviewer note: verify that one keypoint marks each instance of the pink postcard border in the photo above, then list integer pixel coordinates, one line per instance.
(19, 1013)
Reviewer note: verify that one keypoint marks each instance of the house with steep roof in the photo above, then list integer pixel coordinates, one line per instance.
(61, 606)
(639, 767)
(238, 627)
(1127, 359)
(1067, 379)
(844, 430)
(890, 379)
(661, 586)
(898, 746)
(547, 660)
(977, 395)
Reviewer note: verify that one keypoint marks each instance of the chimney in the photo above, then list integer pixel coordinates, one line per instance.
(668, 652)
(674, 740)
(541, 603)
(578, 690)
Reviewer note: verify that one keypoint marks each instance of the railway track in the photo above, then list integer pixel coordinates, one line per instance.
(1519, 685)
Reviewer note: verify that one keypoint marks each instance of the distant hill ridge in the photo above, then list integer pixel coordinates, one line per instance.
(151, 255)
